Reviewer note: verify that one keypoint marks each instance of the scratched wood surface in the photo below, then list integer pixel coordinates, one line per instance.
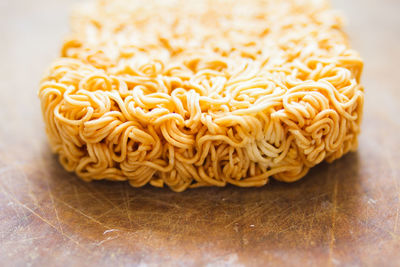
(346, 213)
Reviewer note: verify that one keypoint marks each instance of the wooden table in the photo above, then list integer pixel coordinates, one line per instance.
(346, 213)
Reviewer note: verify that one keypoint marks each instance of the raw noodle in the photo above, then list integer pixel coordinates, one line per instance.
(200, 93)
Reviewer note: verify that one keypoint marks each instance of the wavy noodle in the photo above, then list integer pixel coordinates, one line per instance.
(200, 93)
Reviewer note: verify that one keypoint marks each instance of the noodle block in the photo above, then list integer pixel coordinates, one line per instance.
(187, 93)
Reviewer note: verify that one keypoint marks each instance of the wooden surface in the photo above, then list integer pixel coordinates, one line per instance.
(346, 213)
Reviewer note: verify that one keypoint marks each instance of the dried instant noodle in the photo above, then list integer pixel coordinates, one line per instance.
(202, 93)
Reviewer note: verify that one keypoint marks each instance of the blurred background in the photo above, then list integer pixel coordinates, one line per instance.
(346, 213)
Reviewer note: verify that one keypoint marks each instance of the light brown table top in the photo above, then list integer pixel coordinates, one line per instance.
(345, 213)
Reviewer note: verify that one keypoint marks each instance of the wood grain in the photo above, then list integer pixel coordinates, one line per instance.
(345, 213)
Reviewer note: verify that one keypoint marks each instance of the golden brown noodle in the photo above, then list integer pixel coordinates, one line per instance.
(199, 93)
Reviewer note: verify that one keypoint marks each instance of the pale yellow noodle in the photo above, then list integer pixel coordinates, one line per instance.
(189, 93)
